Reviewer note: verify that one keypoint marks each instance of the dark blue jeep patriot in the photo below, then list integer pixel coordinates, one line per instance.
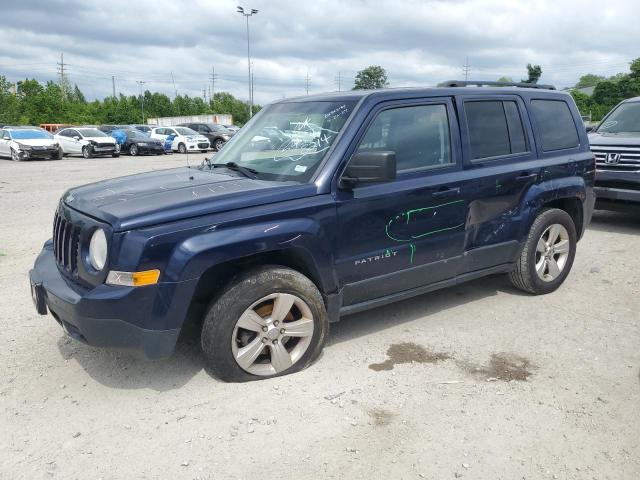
(319, 207)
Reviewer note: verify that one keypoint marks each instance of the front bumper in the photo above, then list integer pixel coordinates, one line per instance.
(100, 317)
(110, 150)
(151, 149)
(198, 145)
(617, 187)
(38, 154)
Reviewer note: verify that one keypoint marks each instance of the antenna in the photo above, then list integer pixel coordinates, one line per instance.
(307, 82)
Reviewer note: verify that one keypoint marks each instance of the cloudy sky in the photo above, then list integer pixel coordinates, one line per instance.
(417, 42)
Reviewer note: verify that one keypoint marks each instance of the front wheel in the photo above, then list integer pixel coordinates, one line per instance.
(548, 253)
(86, 152)
(59, 154)
(182, 148)
(15, 156)
(218, 144)
(133, 150)
(269, 322)
(115, 155)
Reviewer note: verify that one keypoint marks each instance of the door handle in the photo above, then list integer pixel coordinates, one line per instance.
(525, 177)
(446, 192)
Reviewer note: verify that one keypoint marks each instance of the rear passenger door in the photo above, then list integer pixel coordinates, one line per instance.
(401, 235)
(501, 163)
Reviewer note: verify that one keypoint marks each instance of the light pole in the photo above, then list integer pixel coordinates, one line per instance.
(247, 14)
(141, 83)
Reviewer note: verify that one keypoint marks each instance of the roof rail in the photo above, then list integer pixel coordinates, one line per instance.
(464, 83)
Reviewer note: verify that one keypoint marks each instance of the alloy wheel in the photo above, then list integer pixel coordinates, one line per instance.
(272, 334)
(552, 252)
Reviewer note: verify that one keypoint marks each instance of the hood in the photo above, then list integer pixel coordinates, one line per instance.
(629, 139)
(36, 142)
(166, 195)
(101, 139)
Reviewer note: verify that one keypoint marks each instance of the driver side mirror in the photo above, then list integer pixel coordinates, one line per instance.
(589, 128)
(76, 138)
(369, 167)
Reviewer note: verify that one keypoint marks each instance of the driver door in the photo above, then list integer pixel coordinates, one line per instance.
(5, 139)
(400, 235)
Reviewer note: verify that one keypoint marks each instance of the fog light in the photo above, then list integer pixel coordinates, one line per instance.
(133, 279)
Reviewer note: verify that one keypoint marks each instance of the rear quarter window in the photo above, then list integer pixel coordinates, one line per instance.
(556, 127)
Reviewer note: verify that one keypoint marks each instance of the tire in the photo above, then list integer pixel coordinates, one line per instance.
(15, 156)
(182, 148)
(203, 151)
(218, 144)
(133, 150)
(115, 155)
(540, 257)
(86, 152)
(59, 155)
(222, 337)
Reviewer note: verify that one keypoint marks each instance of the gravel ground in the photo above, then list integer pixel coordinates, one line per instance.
(477, 381)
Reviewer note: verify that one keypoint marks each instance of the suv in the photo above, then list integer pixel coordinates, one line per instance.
(616, 145)
(402, 192)
(218, 135)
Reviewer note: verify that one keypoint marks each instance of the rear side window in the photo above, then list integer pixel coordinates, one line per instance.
(495, 128)
(419, 136)
(555, 124)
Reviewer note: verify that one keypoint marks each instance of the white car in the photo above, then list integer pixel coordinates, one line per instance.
(185, 140)
(24, 143)
(86, 141)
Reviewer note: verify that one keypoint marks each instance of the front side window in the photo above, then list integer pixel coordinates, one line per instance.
(185, 131)
(495, 128)
(287, 141)
(418, 135)
(555, 124)
(91, 132)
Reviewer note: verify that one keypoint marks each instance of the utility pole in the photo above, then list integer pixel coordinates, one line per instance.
(252, 11)
(175, 90)
(61, 66)
(213, 83)
(466, 69)
(307, 82)
(141, 83)
(113, 85)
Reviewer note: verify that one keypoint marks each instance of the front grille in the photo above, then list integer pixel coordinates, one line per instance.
(203, 145)
(616, 157)
(105, 145)
(66, 238)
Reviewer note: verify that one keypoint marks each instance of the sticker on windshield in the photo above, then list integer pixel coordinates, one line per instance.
(300, 168)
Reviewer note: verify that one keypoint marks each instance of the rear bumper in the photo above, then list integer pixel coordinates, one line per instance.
(97, 317)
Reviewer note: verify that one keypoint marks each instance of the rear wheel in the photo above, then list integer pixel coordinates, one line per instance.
(133, 150)
(548, 253)
(268, 322)
(86, 152)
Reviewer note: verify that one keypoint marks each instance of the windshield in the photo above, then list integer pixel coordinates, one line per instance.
(625, 118)
(137, 135)
(28, 134)
(91, 132)
(185, 131)
(287, 141)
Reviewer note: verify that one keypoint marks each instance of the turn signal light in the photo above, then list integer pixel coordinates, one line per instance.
(133, 279)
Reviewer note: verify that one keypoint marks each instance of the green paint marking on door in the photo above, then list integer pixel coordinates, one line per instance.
(413, 250)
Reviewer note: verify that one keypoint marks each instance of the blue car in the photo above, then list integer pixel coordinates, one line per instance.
(371, 197)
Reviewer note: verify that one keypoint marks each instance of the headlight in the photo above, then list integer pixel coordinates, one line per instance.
(22, 146)
(142, 144)
(98, 249)
(226, 137)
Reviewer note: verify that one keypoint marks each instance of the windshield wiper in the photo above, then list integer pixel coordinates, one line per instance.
(246, 171)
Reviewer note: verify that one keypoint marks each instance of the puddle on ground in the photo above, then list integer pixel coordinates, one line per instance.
(381, 417)
(502, 366)
(406, 353)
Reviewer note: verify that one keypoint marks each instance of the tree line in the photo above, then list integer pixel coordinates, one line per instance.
(30, 102)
